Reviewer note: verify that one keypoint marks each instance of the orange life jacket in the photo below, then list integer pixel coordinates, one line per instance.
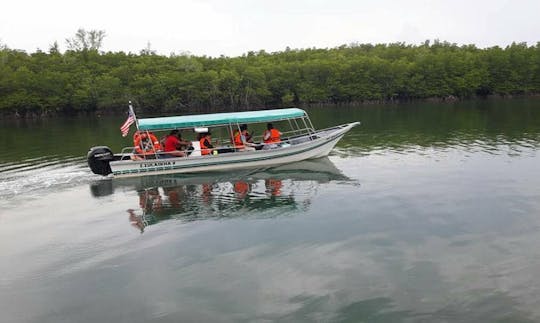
(238, 143)
(274, 136)
(204, 148)
(146, 143)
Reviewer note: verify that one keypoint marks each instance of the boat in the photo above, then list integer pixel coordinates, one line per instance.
(299, 141)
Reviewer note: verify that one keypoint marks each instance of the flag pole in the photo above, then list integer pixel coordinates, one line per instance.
(134, 116)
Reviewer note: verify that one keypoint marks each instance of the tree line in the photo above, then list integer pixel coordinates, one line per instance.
(84, 79)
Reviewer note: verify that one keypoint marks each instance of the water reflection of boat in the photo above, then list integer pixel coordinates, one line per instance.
(215, 195)
(320, 170)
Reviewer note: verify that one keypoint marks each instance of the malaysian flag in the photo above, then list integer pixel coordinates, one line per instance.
(130, 120)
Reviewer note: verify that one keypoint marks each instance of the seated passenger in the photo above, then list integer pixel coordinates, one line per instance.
(246, 134)
(174, 145)
(242, 139)
(206, 144)
(146, 145)
(271, 135)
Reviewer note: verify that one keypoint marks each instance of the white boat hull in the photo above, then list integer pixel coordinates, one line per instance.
(316, 148)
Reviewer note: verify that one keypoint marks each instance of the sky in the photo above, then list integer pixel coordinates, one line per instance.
(234, 27)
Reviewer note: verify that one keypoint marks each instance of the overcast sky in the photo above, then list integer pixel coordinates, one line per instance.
(233, 27)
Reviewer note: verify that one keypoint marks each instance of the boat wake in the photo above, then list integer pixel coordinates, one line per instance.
(33, 177)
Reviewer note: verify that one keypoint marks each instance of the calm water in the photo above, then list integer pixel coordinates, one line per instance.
(425, 213)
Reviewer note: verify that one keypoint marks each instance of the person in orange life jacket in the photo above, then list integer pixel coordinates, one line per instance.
(145, 142)
(174, 145)
(242, 139)
(271, 135)
(145, 145)
(206, 144)
(246, 134)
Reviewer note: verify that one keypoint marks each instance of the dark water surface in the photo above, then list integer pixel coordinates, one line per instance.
(424, 213)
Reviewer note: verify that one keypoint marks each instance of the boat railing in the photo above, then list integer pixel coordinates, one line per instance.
(291, 137)
(337, 127)
(128, 153)
(287, 134)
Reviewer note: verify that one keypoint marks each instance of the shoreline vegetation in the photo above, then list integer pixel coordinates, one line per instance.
(84, 80)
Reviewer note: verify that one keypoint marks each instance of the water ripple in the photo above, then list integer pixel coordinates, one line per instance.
(49, 173)
(358, 144)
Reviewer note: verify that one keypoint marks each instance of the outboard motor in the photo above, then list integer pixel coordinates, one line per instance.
(99, 158)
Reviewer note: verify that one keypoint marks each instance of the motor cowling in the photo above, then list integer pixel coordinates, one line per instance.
(99, 158)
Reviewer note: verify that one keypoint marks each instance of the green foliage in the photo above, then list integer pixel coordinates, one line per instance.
(84, 79)
(86, 40)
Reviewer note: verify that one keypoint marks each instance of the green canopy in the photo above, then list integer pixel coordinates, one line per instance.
(218, 119)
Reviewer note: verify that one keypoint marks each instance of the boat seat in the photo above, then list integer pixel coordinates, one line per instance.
(196, 148)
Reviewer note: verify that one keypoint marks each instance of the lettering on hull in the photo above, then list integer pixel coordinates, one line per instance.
(157, 164)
